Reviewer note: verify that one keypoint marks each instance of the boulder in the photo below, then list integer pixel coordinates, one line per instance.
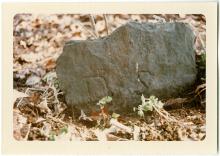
(137, 58)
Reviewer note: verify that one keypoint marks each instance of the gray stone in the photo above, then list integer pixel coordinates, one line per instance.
(150, 59)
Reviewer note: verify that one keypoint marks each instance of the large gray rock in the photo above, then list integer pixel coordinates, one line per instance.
(150, 59)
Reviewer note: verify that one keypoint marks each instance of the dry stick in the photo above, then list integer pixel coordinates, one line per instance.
(22, 97)
(93, 25)
(88, 30)
(57, 120)
(170, 119)
(47, 89)
(106, 24)
(56, 98)
(111, 137)
(136, 133)
(36, 89)
(199, 92)
(55, 93)
(166, 117)
(200, 87)
(121, 126)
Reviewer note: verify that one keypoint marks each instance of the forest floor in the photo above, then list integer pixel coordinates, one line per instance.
(40, 111)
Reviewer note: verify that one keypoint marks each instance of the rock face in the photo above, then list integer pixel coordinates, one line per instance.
(150, 59)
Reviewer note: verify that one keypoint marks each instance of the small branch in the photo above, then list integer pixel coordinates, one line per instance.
(22, 97)
(57, 120)
(121, 126)
(106, 24)
(111, 137)
(93, 25)
(88, 30)
(136, 133)
(164, 116)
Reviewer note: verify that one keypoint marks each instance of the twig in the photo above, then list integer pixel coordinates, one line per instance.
(37, 89)
(55, 93)
(106, 24)
(88, 30)
(111, 137)
(136, 133)
(200, 87)
(93, 25)
(22, 97)
(57, 120)
(46, 89)
(121, 126)
(166, 117)
(56, 98)
(199, 92)
(169, 119)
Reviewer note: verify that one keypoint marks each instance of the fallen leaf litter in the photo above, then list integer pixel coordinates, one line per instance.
(39, 105)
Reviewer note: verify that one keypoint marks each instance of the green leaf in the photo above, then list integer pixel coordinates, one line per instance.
(64, 130)
(115, 115)
(51, 136)
(148, 105)
(143, 99)
(104, 101)
(140, 113)
(50, 77)
(160, 105)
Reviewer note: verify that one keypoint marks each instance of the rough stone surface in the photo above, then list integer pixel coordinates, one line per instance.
(150, 59)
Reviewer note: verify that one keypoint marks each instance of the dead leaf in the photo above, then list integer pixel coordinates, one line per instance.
(46, 129)
(50, 64)
(17, 94)
(25, 130)
(32, 57)
(33, 80)
(40, 119)
(19, 122)
(43, 105)
(100, 135)
(23, 43)
(34, 98)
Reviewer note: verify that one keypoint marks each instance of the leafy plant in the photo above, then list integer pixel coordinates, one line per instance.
(51, 79)
(52, 136)
(64, 130)
(104, 116)
(104, 101)
(201, 65)
(148, 104)
(202, 60)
